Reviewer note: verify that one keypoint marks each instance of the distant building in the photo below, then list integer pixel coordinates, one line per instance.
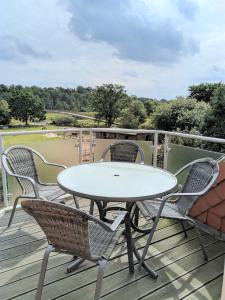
(123, 136)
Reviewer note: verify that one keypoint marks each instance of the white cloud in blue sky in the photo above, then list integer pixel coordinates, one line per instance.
(154, 48)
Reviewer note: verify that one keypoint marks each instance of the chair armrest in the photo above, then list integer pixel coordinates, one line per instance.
(31, 180)
(106, 226)
(165, 198)
(9, 172)
(50, 164)
(55, 165)
(118, 220)
(46, 162)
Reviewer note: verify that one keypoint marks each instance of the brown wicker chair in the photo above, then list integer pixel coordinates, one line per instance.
(19, 162)
(69, 230)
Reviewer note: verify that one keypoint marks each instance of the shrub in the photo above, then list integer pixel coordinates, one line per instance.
(64, 121)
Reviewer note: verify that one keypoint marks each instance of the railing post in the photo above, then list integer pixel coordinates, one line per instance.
(4, 178)
(166, 151)
(80, 147)
(155, 149)
(91, 145)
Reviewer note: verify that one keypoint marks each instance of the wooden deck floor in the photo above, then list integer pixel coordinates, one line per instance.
(183, 274)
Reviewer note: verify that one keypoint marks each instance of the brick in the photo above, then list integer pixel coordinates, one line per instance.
(219, 210)
(221, 175)
(213, 220)
(220, 189)
(203, 217)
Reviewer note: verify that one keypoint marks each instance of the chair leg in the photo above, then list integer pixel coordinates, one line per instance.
(101, 270)
(151, 235)
(13, 211)
(201, 244)
(76, 202)
(74, 265)
(184, 230)
(43, 271)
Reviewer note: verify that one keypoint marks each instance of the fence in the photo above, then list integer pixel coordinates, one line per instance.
(165, 136)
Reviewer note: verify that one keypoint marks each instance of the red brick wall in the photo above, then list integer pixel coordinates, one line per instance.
(210, 208)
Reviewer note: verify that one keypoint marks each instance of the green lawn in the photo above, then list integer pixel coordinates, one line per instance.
(26, 139)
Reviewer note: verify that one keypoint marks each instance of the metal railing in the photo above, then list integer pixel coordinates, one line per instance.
(155, 140)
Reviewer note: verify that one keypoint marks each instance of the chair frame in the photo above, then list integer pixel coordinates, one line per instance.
(10, 172)
(107, 149)
(102, 261)
(186, 217)
(103, 158)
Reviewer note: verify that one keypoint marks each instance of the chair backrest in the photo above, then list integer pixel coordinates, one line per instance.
(202, 174)
(125, 151)
(209, 210)
(20, 160)
(66, 228)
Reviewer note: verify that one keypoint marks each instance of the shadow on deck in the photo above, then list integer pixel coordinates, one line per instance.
(183, 274)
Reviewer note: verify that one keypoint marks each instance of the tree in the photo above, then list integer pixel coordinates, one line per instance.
(133, 115)
(203, 91)
(5, 116)
(182, 114)
(214, 121)
(108, 100)
(25, 106)
(151, 105)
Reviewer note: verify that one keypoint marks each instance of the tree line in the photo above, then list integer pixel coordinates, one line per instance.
(201, 112)
(29, 103)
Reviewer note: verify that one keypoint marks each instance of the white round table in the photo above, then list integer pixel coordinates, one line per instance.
(118, 181)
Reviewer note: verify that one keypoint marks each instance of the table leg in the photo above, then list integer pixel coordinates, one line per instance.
(100, 209)
(147, 268)
(131, 246)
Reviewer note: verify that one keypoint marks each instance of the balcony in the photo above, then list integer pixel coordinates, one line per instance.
(183, 274)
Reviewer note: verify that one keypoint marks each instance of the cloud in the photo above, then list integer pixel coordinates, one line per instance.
(218, 69)
(187, 8)
(11, 49)
(132, 28)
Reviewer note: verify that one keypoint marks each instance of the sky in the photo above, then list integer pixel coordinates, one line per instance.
(156, 49)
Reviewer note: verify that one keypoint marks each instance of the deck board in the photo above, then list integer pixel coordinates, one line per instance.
(183, 274)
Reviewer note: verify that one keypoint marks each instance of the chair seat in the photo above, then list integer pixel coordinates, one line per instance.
(149, 209)
(102, 241)
(49, 192)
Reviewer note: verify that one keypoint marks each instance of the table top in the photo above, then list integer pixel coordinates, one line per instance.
(116, 181)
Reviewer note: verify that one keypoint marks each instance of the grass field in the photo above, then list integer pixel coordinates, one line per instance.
(46, 124)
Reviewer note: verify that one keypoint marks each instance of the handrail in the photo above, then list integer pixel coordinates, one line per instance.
(116, 130)
(80, 131)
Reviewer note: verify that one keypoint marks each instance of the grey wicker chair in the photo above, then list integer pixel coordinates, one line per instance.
(125, 151)
(19, 162)
(71, 231)
(201, 176)
(122, 151)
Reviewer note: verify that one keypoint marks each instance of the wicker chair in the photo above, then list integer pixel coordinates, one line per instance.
(19, 162)
(69, 230)
(125, 151)
(201, 176)
(122, 151)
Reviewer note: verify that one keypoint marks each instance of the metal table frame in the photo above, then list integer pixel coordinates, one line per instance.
(99, 198)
